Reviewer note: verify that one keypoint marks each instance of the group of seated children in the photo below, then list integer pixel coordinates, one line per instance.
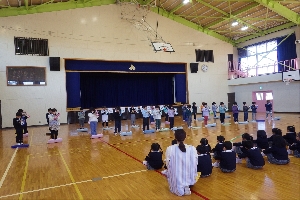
(227, 154)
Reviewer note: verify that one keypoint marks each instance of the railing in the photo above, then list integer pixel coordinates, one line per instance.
(235, 71)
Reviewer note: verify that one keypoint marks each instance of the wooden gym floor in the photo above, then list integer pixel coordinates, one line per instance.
(111, 167)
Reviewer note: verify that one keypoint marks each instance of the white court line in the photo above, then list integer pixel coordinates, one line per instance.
(8, 167)
(68, 184)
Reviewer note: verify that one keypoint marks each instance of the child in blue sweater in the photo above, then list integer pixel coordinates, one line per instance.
(254, 110)
(253, 156)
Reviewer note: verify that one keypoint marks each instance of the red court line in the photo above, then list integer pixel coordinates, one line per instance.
(198, 194)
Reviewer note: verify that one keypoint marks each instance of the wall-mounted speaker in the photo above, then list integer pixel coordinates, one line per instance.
(54, 63)
(194, 67)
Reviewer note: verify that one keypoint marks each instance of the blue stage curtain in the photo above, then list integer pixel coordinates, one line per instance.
(286, 50)
(73, 89)
(180, 88)
(123, 89)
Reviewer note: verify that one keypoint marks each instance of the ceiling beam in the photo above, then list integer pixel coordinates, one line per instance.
(281, 10)
(271, 30)
(49, 7)
(244, 9)
(177, 8)
(192, 25)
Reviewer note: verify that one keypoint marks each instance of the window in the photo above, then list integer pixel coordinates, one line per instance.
(26, 76)
(31, 46)
(261, 59)
(269, 96)
(259, 96)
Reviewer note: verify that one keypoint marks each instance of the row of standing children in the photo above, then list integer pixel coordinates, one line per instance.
(227, 154)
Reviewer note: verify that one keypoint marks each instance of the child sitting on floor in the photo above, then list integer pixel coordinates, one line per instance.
(277, 154)
(296, 146)
(204, 162)
(227, 158)
(262, 140)
(217, 150)
(253, 156)
(154, 159)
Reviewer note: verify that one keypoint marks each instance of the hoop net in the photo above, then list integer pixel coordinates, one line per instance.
(288, 81)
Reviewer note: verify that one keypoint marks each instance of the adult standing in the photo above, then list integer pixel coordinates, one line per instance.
(181, 161)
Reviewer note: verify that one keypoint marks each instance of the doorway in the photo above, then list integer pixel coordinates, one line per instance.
(231, 100)
(261, 97)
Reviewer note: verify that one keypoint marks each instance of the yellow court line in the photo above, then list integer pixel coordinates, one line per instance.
(24, 178)
(8, 167)
(68, 184)
(31, 138)
(70, 174)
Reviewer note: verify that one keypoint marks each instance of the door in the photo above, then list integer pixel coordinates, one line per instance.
(261, 97)
(231, 99)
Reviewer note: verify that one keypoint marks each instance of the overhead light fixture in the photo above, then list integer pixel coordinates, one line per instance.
(186, 1)
(235, 23)
(244, 28)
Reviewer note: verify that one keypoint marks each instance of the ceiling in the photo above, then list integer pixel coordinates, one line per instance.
(215, 18)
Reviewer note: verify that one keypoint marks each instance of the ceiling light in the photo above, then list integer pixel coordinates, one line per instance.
(186, 1)
(244, 28)
(235, 23)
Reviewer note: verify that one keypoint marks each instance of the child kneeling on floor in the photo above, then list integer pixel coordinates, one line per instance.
(154, 159)
(253, 156)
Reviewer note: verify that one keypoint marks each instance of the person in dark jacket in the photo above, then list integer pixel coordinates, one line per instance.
(253, 156)
(218, 149)
(204, 162)
(296, 146)
(154, 159)
(239, 148)
(262, 140)
(117, 116)
(290, 136)
(277, 154)
(227, 159)
(17, 122)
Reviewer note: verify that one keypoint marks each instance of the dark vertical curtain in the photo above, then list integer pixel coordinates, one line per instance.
(230, 62)
(119, 89)
(204, 55)
(286, 51)
(73, 89)
(180, 88)
(199, 55)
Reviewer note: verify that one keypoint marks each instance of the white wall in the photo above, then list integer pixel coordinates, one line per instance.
(286, 98)
(100, 33)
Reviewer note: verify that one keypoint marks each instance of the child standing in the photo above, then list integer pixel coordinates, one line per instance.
(204, 162)
(81, 118)
(117, 117)
(184, 108)
(24, 122)
(254, 110)
(132, 112)
(277, 153)
(171, 114)
(254, 158)
(245, 110)
(214, 108)
(194, 108)
(93, 120)
(188, 114)
(47, 115)
(54, 123)
(19, 128)
(269, 108)
(146, 115)
(235, 112)
(157, 116)
(227, 158)
(154, 159)
(104, 114)
(222, 110)
(205, 112)
(165, 109)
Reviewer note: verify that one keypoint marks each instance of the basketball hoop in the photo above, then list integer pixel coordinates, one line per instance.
(288, 81)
